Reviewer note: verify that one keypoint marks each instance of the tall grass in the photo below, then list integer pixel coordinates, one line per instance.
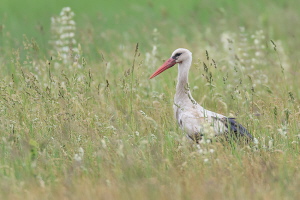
(97, 127)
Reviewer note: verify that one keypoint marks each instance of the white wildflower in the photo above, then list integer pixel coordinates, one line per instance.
(79, 138)
(111, 128)
(270, 144)
(225, 38)
(81, 151)
(66, 9)
(72, 22)
(63, 38)
(143, 113)
(151, 58)
(103, 144)
(78, 157)
(283, 131)
(41, 181)
(120, 149)
(258, 53)
(153, 136)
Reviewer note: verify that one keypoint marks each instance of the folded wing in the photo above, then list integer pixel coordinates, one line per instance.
(235, 127)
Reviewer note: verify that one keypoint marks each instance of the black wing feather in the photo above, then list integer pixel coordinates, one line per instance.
(235, 127)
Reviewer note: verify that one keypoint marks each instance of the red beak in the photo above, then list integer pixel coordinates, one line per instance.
(169, 63)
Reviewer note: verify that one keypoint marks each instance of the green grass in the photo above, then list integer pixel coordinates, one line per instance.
(105, 131)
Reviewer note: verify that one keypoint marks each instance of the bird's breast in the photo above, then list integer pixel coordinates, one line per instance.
(188, 118)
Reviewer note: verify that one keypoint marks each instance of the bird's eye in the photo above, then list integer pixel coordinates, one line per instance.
(176, 55)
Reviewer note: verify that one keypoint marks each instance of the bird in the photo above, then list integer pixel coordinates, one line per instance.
(191, 117)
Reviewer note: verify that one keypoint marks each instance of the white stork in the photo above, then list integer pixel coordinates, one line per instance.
(191, 117)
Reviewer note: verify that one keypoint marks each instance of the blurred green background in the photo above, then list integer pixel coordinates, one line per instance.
(137, 18)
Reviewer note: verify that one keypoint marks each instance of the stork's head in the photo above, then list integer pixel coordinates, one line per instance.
(178, 56)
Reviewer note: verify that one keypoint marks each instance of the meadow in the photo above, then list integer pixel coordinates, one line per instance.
(80, 119)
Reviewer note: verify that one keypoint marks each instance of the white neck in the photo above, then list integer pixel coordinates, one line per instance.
(182, 88)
